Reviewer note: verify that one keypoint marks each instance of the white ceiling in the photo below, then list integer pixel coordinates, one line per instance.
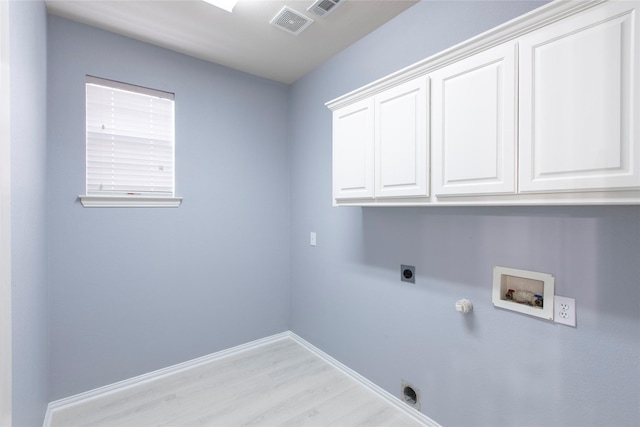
(243, 40)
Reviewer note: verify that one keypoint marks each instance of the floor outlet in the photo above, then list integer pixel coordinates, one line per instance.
(564, 310)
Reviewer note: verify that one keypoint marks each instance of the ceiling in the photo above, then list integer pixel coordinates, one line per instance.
(243, 40)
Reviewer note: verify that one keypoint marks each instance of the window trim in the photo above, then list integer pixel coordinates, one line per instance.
(130, 200)
(93, 201)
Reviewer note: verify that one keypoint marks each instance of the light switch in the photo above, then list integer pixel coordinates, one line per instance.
(312, 238)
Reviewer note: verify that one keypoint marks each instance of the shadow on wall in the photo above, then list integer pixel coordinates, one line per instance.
(592, 251)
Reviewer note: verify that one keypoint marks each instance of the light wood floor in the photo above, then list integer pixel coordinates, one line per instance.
(278, 384)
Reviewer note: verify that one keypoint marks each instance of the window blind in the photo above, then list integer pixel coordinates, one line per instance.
(130, 139)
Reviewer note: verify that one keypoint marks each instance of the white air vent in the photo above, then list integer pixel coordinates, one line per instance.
(324, 7)
(291, 21)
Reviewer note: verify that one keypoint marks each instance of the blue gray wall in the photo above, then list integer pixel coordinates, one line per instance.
(28, 59)
(493, 367)
(134, 290)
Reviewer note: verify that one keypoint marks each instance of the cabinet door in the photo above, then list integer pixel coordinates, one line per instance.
(353, 151)
(579, 102)
(474, 124)
(402, 151)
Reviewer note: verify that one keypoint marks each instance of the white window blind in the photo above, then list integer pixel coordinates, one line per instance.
(130, 140)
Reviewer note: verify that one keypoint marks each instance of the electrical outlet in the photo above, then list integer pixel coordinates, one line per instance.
(408, 273)
(564, 310)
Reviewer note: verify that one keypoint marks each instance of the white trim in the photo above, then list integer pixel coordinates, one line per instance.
(119, 387)
(129, 87)
(630, 197)
(129, 201)
(5, 221)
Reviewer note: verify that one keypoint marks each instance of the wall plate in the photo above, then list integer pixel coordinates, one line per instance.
(564, 311)
(408, 273)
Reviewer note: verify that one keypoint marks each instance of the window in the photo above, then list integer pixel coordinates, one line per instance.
(130, 145)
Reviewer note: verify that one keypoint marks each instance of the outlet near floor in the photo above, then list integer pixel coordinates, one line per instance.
(410, 395)
(564, 310)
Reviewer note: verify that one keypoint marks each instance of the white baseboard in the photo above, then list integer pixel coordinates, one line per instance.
(62, 404)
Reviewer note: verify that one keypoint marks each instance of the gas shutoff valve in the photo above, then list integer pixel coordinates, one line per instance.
(464, 306)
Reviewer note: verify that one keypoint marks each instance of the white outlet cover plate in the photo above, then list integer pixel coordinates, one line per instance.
(564, 310)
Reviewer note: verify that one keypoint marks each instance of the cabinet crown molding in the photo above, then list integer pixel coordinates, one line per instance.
(510, 30)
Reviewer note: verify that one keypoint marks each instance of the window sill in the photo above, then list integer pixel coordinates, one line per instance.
(129, 201)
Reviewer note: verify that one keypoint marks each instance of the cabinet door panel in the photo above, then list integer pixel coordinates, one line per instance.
(474, 122)
(577, 101)
(353, 151)
(402, 155)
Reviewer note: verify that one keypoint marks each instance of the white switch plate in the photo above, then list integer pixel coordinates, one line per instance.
(564, 310)
(312, 238)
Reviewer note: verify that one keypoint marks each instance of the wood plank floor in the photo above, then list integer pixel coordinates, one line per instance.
(277, 384)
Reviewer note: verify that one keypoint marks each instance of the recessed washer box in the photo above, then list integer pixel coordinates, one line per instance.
(528, 292)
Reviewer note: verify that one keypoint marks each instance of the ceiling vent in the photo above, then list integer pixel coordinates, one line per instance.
(291, 21)
(324, 7)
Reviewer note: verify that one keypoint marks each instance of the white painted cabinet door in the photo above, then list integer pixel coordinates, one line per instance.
(353, 169)
(579, 103)
(401, 140)
(474, 124)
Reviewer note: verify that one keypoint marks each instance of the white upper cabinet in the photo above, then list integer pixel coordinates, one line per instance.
(579, 102)
(380, 145)
(474, 124)
(401, 140)
(353, 151)
(542, 110)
